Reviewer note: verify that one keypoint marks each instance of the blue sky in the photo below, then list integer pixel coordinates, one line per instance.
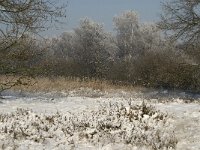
(103, 11)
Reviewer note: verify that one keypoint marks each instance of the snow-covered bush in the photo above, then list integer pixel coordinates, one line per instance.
(128, 124)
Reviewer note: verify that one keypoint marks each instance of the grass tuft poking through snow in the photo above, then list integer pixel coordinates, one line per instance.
(126, 124)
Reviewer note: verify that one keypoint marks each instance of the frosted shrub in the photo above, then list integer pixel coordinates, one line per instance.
(128, 124)
(131, 124)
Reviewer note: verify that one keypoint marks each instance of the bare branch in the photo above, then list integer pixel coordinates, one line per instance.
(181, 20)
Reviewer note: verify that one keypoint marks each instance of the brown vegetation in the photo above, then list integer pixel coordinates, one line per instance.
(45, 84)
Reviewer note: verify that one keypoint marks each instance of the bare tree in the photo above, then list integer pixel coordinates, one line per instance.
(19, 18)
(181, 20)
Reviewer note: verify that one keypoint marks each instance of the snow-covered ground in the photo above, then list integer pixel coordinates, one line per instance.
(178, 120)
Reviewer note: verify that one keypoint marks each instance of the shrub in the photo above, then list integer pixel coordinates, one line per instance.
(128, 124)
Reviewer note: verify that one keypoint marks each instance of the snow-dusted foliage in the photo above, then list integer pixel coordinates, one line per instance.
(127, 27)
(115, 123)
(134, 38)
(88, 51)
(93, 48)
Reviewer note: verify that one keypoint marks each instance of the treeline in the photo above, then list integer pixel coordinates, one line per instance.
(134, 53)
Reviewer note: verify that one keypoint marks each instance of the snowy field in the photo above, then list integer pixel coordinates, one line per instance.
(86, 119)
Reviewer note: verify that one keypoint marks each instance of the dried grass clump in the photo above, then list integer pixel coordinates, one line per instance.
(128, 124)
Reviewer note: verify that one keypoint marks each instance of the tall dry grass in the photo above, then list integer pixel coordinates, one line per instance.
(45, 84)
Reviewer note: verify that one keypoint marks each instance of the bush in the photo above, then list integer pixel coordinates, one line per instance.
(129, 124)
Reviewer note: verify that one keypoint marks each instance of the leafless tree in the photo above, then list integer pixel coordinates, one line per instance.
(22, 18)
(181, 20)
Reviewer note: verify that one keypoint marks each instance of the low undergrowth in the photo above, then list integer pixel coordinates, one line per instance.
(127, 124)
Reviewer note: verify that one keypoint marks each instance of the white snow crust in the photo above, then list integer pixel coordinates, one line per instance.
(86, 119)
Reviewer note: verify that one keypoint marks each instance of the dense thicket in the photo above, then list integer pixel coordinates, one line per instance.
(134, 53)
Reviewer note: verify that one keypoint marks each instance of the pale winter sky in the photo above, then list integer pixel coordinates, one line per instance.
(103, 11)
